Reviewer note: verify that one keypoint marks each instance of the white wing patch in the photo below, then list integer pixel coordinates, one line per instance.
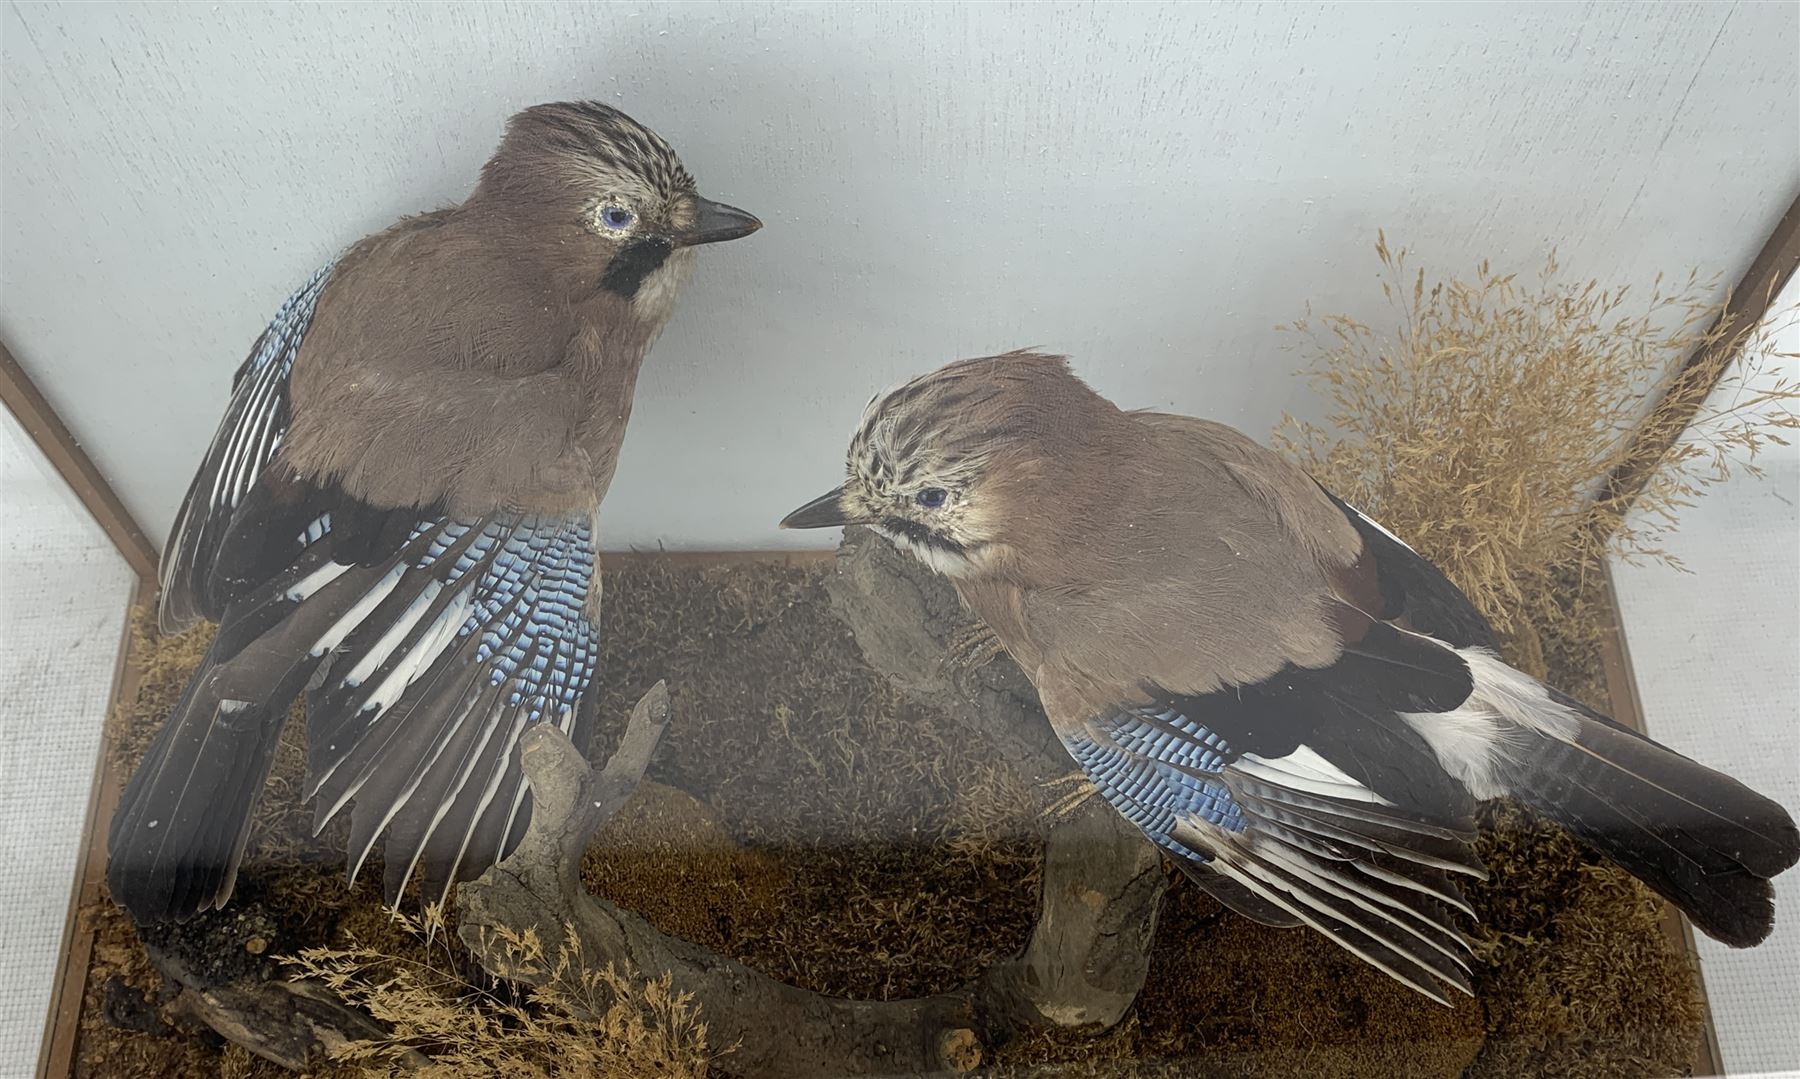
(1476, 739)
(1305, 770)
(423, 655)
(342, 628)
(397, 631)
(316, 580)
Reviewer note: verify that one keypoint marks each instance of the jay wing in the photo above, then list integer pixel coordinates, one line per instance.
(418, 719)
(435, 642)
(248, 436)
(430, 643)
(1395, 583)
(1307, 799)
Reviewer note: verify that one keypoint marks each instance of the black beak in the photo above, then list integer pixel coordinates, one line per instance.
(825, 511)
(715, 222)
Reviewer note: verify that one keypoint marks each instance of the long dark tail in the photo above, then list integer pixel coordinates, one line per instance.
(179, 832)
(1701, 839)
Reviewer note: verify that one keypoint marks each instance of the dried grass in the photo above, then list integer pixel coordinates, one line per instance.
(577, 1021)
(1484, 426)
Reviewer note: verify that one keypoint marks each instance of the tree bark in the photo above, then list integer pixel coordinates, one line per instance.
(774, 1029)
(294, 1024)
(1103, 881)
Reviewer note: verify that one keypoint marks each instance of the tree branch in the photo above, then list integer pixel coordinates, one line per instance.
(775, 1029)
(1084, 965)
(1085, 962)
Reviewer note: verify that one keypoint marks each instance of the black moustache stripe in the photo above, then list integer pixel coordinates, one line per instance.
(922, 534)
(637, 261)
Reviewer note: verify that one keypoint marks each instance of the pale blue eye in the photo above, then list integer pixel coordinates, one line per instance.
(933, 497)
(614, 217)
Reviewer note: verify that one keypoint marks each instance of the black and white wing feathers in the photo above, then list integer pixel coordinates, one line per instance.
(431, 642)
(1307, 799)
(255, 422)
(418, 720)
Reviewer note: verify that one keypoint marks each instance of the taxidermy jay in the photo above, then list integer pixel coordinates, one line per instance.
(396, 515)
(1283, 696)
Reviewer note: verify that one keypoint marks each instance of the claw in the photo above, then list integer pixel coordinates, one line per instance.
(974, 646)
(1066, 804)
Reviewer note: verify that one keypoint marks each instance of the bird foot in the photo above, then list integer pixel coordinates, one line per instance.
(1080, 789)
(973, 646)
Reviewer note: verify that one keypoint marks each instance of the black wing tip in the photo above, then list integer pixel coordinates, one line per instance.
(1744, 918)
(160, 896)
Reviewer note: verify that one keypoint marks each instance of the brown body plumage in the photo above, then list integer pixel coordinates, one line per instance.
(437, 339)
(1281, 694)
(398, 507)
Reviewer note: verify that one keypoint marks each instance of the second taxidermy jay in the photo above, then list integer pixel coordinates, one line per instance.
(1279, 693)
(398, 508)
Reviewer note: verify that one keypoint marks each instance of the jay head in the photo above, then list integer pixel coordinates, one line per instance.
(606, 198)
(967, 467)
(1284, 697)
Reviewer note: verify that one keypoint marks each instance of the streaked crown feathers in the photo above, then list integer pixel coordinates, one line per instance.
(595, 136)
(948, 422)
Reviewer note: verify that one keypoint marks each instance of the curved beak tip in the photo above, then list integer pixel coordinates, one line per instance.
(715, 222)
(825, 511)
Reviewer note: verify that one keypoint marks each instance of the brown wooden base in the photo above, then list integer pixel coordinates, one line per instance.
(56, 1056)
